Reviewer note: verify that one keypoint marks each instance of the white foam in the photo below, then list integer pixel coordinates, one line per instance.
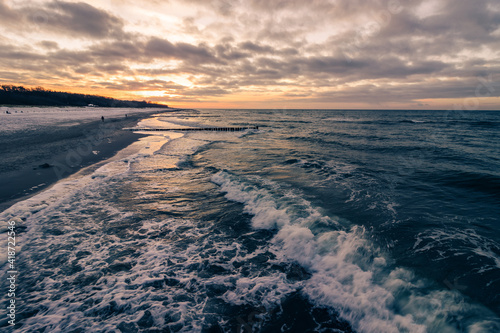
(463, 240)
(349, 273)
(266, 291)
(26, 211)
(69, 201)
(267, 212)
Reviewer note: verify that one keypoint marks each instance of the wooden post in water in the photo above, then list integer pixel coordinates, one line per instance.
(213, 129)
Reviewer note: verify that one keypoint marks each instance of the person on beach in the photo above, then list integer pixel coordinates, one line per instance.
(102, 118)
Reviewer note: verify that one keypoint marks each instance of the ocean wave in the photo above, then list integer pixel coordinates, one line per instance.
(482, 182)
(348, 272)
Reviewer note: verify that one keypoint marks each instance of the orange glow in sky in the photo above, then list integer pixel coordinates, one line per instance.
(258, 54)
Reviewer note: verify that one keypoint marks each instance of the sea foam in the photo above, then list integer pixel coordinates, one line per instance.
(349, 273)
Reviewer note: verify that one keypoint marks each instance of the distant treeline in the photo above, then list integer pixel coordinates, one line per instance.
(18, 95)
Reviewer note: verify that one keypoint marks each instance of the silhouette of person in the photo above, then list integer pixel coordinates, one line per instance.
(102, 118)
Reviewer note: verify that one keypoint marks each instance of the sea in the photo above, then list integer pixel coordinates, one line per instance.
(369, 221)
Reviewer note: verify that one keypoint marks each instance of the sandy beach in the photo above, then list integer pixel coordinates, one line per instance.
(34, 160)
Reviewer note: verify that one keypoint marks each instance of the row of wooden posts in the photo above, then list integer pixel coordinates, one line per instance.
(215, 129)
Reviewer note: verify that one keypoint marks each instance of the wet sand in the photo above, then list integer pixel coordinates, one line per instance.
(32, 161)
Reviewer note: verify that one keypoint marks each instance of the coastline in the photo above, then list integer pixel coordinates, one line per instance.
(77, 147)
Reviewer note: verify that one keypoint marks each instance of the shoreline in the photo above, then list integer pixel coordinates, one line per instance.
(82, 146)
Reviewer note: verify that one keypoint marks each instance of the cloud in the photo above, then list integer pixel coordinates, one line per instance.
(83, 19)
(48, 44)
(162, 48)
(204, 92)
(7, 15)
(148, 85)
(317, 51)
(63, 18)
(256, 48)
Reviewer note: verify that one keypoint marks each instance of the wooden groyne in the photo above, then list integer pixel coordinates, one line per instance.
(213, 129)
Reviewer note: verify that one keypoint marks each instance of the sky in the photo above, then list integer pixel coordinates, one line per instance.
(272, 54)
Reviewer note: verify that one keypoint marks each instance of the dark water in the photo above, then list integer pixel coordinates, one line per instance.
(320, 221)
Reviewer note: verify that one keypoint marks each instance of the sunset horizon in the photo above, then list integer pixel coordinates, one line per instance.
(432, 54)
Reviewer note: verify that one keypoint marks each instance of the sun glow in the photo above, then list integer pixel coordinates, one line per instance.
(150, 93)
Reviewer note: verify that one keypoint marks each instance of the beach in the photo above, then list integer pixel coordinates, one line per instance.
(33, 159)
